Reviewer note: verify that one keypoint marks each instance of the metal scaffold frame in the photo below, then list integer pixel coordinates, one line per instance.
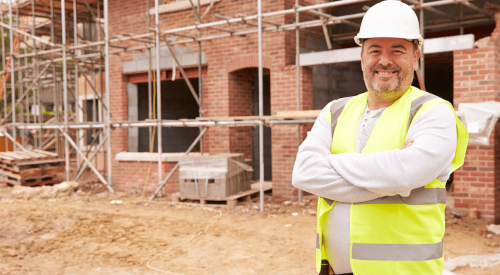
(55, 57)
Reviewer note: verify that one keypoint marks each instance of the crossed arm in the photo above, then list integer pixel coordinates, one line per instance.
(354, 177)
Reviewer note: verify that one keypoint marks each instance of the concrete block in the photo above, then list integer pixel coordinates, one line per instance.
(140, 56)
(130, 67)
(324, 70)
(316, 44)
(189, 59)
(163, 63)
(169, 61)
(335, 71)
(320, 81)
(143, 65)
(348, 74)
(333, 83)
(133, 139)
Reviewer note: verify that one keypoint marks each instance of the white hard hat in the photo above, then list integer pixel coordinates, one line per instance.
(390, 19)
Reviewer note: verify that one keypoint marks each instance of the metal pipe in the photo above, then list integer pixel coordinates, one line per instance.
(101, 85)
(55, 94)
(158, 89)
(150, 95)
(473, 7)
(14, 141)
(168, 123)
(158, 191)
(297, 67)
(101, 178)
(65, 87)
(261, 106)
(422, 56)
(418, 4)
(75, 62)
(95, 92)
(12, 75)
(22, 78)
(32, 85)
(4, 81)
(108, 96)
(82, 169)
(241, 19)
(461, 11)
(329, 16)
(27, 34)
(269, 14)
(200, 80)
(183, 73)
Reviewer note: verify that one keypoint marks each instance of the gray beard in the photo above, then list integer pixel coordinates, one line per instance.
(401, 84)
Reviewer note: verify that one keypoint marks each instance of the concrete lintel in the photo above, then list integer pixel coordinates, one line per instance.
(432, 45)
(178, 6)
(146, 157)
(188, 59)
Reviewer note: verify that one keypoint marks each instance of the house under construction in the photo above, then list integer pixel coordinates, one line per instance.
(125, 88)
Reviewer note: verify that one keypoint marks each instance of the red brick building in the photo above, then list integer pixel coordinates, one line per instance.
(229, 89)
(229, 86)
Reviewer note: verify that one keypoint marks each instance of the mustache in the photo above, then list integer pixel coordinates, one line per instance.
(381, 67)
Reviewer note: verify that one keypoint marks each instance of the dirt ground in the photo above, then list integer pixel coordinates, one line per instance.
(87, 235)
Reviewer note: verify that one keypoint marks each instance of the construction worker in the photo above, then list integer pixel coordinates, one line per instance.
(379, 161)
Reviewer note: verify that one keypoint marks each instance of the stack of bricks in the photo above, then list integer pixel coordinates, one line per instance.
(477, 79)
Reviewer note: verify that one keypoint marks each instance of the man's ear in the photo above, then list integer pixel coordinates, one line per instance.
(362, 60)
(416, 57)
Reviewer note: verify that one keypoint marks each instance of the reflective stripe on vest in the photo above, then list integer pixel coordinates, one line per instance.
(397, 252)
(418, 196)
(336, 110)
(396, 234)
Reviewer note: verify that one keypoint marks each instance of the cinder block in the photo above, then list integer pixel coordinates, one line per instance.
(324, 70)
(320, 81)
(130, 67)
(143, 65)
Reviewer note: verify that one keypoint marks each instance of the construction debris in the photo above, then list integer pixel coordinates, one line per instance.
(472, 261)
(64, 189)
(495, 228)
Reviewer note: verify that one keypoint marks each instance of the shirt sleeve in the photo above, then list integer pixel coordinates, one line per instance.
(400, 171)
(312, 172)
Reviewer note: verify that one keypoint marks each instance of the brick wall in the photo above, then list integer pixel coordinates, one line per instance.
(225, 86)
(476, 79)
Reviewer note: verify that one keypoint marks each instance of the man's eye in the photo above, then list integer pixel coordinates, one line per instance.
(397, 51)
(375, 52)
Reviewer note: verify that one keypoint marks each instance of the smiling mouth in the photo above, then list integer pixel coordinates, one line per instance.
(385, 73)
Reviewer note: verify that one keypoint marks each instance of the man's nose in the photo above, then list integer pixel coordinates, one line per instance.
(385, 60)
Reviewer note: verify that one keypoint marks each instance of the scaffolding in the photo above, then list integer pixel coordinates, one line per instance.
(55, 55)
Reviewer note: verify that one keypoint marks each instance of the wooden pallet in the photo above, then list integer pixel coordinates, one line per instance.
(30, 168)
(31, 181)
(230, 201)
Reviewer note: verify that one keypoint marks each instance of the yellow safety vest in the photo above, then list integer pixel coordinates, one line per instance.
(391, 235)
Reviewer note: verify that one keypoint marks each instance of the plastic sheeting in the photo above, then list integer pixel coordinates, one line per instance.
(472, 261)
(480, 119)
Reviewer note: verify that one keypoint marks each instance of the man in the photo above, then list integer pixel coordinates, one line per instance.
(380, 161)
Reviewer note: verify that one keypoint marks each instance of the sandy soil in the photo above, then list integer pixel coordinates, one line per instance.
(88, 235)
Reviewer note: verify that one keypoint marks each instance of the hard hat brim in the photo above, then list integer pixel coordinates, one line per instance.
(359, 38)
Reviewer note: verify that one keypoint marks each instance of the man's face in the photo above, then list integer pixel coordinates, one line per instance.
(388, 65)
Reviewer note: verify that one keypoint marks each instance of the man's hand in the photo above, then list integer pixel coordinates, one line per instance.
(407, 144)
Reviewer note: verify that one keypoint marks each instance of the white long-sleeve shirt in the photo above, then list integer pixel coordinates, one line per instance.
(355, 177)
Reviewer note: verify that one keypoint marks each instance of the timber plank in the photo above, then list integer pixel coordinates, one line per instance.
(46, 153)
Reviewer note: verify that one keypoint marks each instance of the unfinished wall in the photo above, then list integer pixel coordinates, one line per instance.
(223, 95)
(476, 79)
